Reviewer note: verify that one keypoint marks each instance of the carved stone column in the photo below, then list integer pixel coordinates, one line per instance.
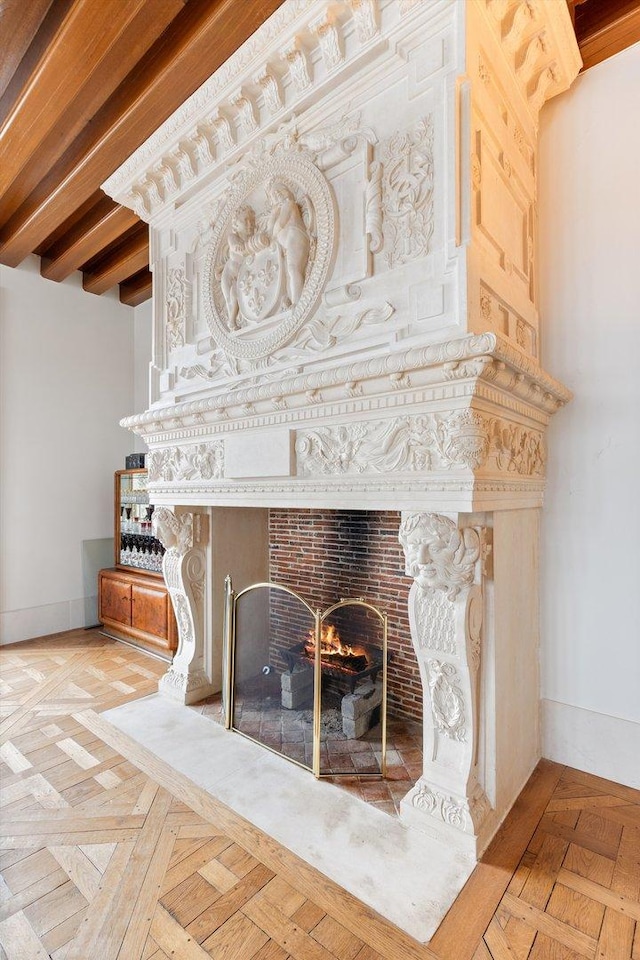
(185, 537)
(446, 618)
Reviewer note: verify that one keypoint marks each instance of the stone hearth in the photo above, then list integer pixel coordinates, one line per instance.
(343, 237)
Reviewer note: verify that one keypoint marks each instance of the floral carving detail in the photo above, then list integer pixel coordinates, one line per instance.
(447, 701)
(204, 461)
(439, 805)
(407, 188)
(183, 617)
(439, 555)
(178, 297)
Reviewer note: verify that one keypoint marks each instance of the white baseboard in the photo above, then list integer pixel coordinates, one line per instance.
(17, 625)
(595, 742)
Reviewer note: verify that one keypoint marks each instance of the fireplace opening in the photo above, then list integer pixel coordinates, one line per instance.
(326, 554)
(303, 699)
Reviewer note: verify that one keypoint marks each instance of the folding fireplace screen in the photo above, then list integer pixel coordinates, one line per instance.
(308, 684)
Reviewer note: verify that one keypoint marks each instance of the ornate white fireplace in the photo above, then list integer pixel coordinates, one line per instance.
(343, 237)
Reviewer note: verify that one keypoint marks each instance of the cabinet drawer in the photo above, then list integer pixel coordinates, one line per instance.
(149, 609)
(115, 600)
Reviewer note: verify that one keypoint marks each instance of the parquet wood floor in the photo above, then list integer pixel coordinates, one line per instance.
(108, 854)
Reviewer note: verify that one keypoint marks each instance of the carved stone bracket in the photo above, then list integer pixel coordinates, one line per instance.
(184, 537)
(446, 617)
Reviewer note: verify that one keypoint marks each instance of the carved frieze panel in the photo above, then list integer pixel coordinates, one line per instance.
(459, 440)
(269, 256)
(203, 461)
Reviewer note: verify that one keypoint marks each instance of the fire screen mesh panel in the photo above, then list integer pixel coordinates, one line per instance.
(319, 699)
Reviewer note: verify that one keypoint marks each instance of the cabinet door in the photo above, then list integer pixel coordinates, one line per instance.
(149, 609)
(115, 600)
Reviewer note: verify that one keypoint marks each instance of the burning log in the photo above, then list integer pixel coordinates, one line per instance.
(335, 653)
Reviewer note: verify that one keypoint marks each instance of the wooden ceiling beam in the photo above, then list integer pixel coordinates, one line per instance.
(128, 258)
(605, 28)
(137, 289)
(20, 22)
(204, 35)
(49, 127)
(95, 232)
(84, 37)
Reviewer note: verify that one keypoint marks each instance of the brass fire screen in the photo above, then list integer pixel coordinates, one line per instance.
(307, 684)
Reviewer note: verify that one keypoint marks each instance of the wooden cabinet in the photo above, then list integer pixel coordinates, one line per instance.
(133, 602)
(136, 607)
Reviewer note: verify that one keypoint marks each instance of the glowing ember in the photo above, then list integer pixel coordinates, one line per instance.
(333, 650)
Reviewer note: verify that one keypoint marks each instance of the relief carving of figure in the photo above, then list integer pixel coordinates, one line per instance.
(288, 230)
(242, 229)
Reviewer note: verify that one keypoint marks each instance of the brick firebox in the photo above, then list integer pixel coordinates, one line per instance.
(327, 554)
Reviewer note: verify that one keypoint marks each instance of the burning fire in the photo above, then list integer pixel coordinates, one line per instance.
(332, 646)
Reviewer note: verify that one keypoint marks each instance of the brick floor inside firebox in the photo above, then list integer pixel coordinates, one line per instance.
(290, 732)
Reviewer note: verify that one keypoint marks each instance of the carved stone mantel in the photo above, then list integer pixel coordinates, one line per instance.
(185, 536)
(343, 244)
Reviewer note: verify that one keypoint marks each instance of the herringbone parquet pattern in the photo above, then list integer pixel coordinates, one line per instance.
(108, 854)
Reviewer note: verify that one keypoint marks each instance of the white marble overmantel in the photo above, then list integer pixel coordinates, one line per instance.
(343, 245)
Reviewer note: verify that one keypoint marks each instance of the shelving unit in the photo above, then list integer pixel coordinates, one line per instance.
(133, 601)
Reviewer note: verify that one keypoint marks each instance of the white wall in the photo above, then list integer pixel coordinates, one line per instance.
(66, 378)
(589, 192)
(142, 334)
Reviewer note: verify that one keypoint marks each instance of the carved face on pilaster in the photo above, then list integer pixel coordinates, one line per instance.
(438, 554)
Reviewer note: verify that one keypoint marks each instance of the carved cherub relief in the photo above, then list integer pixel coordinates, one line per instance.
(267, 257)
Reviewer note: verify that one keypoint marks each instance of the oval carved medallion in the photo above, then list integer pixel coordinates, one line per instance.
(269, 256)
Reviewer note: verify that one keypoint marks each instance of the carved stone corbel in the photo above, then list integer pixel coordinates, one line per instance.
(446, 617)
(185, 537)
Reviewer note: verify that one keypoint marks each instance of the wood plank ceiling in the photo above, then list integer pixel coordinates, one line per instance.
(84, 82)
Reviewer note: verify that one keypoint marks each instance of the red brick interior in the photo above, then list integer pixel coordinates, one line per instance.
(325, 555)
